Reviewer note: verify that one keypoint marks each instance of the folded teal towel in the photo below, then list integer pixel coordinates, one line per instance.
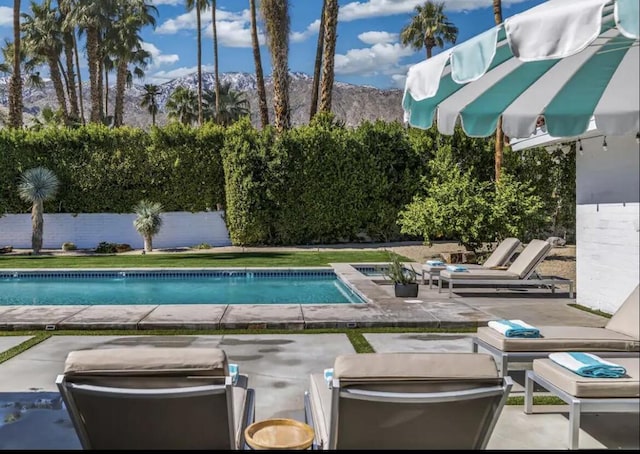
(514, 328)
(456, 268)
(435, 263)
(588, 365)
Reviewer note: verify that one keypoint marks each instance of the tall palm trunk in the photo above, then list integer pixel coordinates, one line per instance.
(215, 56)
(37, 224)
(262, 93)
(15, 88)
(80, 95)
(499, 146)
(121, 80)
(329, 53)
(200, 113)
(95, 71)
(69, 45)
(56, 79)
(276, 15)
(315, 86)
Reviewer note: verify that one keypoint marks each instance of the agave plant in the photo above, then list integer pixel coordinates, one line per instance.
(36, 186)
(147, 221)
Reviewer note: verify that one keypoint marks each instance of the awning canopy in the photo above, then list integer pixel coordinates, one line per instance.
(562, 64)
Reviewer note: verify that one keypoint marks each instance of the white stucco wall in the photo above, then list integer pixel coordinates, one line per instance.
(607, 222)
(179, 229)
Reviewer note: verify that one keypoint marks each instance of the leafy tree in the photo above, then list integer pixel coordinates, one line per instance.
(37, 185)
(148, 221)
(455, 205)
(429, 28)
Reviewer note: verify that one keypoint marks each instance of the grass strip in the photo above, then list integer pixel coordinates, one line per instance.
(537, 400)
(192, 260)
(24, 346)
(592, 311)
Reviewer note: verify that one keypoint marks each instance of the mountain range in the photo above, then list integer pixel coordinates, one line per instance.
(352, 104)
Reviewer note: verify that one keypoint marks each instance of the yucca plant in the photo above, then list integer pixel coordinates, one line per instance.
(37, 185)
(148, 221)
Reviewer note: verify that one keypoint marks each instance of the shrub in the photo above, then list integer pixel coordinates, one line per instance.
(106, 248)
(123, 247)
(69, 246)
(202, 246)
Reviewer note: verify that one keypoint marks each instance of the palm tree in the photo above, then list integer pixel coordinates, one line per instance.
(149, 100)
(329, 53)
(429, 28)
(215, 53)
(15, 83)
(315, 86)
(36, 186)
(232, 105)
(126, 45)
(497, 15)
(69, 44)
(262, 93)
(198, 5)
(29, 64)
(92, 18)
(147, 221)
(42, 31)
(277, 21)
(182, 105)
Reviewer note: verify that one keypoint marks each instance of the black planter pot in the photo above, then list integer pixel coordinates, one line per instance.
(406, 290)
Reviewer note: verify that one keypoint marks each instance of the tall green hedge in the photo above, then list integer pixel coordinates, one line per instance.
(317, 183)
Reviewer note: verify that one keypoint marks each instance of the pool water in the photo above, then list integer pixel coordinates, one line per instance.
(158, 288)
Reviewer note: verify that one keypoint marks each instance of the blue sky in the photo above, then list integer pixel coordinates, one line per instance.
(368, 50)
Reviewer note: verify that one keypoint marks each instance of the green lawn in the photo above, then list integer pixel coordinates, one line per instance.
(176, 260)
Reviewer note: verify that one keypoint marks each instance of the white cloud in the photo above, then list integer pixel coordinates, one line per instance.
(378, 37)
(233, 28)
(6, 16)
(377, 8)
(399, 80)
(311, 30)
(381, 58)
(159, 59)
(168, 2)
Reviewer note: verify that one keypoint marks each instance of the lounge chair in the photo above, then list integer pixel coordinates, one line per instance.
(586, 395)
(155, 398)
(522, 272)
(407, 401)
(619, 337)
(500, 256)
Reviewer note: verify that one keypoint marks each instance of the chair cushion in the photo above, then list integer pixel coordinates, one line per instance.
(502, 252)
(532, 254)
(626, 320)
(320, 400)
(147, 361)
(395, 367)
(580, 386)
(479, 274)
(561, 338)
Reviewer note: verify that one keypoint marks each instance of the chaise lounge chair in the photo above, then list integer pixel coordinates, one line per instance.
(499, 258)
(619, 337)
(155, 398)
(522, 272)
(586, 395)
(407, 401)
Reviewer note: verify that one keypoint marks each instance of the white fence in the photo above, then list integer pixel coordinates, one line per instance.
(179, 229)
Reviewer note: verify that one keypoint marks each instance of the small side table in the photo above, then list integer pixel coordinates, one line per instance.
(279, 433)
(431, 271)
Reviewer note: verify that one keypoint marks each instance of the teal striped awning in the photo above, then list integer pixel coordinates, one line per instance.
(565, 62)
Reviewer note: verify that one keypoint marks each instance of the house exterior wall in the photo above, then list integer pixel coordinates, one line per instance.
(607, 222)
(179, 229)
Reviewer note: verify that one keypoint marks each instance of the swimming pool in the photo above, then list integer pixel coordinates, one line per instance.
(158, 287)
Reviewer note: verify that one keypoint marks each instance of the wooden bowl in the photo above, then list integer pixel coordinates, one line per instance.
(279, 433)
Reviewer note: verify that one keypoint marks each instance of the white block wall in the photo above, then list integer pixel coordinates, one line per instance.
(179, 229)
(607, 222)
